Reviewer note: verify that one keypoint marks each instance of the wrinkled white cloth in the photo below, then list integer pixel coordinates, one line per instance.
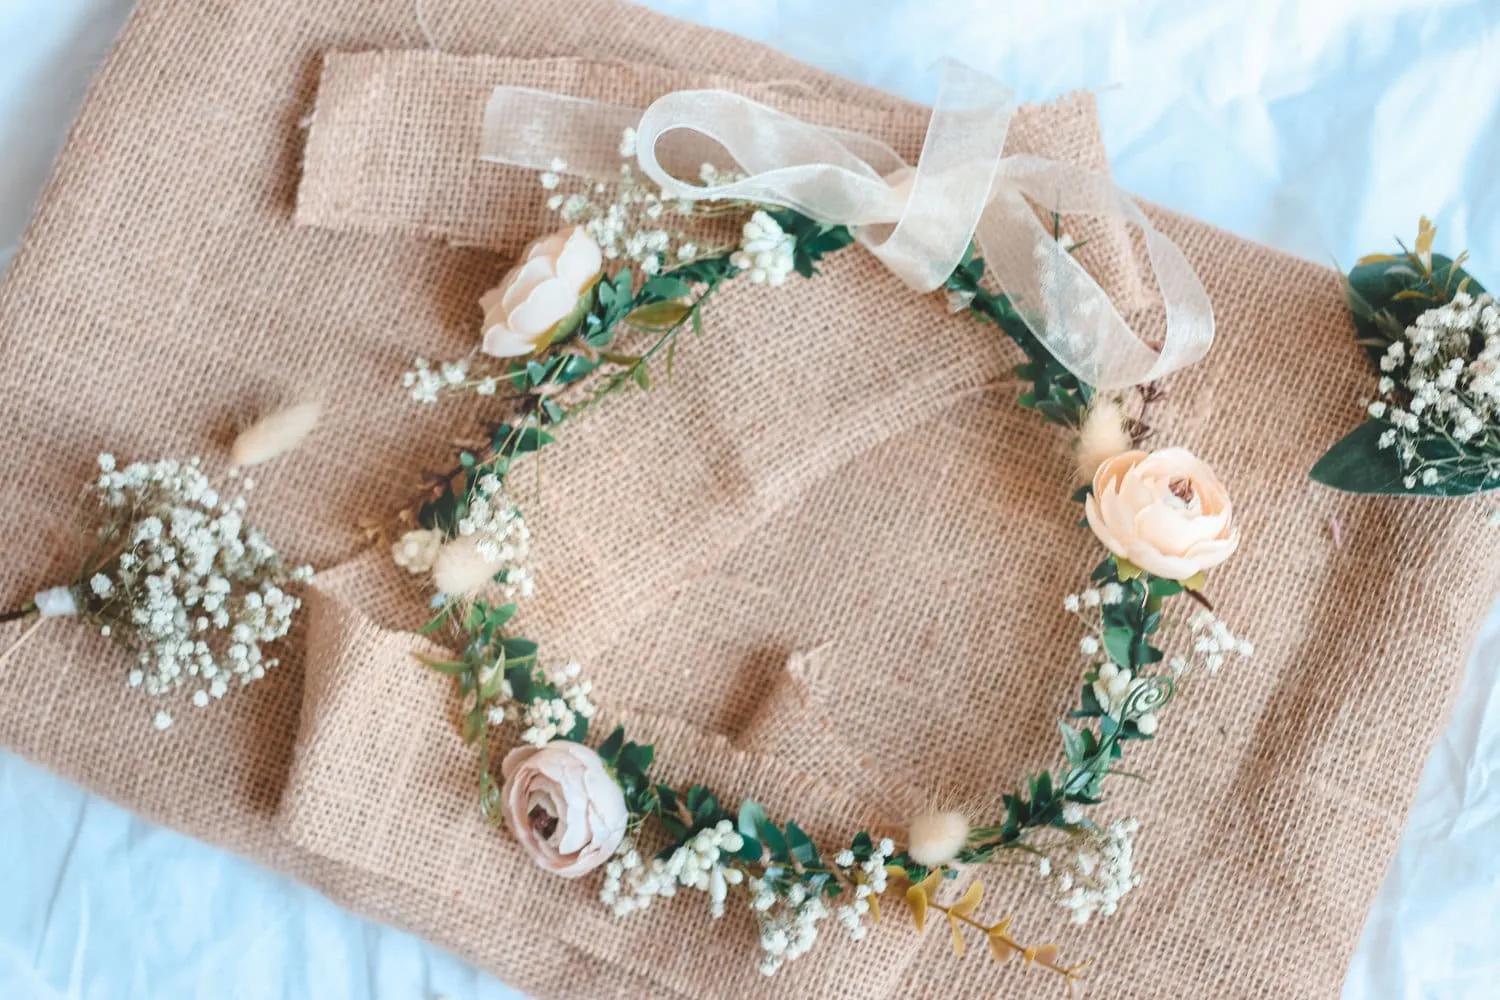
(1309, 127)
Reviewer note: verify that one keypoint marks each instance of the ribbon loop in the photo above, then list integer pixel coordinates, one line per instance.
(918, 221)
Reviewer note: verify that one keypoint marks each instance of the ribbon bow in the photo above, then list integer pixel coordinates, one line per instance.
(917, 221)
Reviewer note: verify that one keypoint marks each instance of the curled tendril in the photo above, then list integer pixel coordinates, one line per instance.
(1150, 696)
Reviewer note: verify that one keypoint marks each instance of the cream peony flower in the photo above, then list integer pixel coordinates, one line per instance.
(563, 806)
(1164, 511)
(544, 296)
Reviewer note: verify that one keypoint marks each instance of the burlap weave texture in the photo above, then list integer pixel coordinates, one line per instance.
(822, 567)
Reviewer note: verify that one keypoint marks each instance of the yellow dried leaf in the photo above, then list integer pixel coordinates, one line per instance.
(916, 901)
(1125, 569)
(659, 315)
(970, 902)
(958, 936)
(874, 902)
(1425, 233)
(919, 895)
(1411, 293)
(1045, 955)
(1378, 258)
(1000, 946)
(896, 871)
(1195, 582)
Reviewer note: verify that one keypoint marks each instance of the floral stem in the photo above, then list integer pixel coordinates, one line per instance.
(17, 614)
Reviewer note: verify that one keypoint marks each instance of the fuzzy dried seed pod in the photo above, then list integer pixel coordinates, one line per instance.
(935, 838)
(461, 570)
(1102, 437)
(275, 434)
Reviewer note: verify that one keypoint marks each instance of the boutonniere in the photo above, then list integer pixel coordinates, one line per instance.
(1433, 333)
(176, 574)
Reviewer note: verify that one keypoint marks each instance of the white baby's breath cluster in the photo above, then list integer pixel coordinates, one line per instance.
(1442, 380)
(491, 547)
(789, 914)
(630, 884)
(629, 218)
(547, 719)
(500, 535)
(1094, 870)
(1212, 643)
(425, 383)
(186, 582)
(1209, 642)
(766, 252)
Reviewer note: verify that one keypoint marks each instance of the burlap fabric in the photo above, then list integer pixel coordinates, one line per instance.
(822, 567)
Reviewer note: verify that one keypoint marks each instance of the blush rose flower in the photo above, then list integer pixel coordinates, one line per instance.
(544, 296)
(1164, 511)
(563, 806)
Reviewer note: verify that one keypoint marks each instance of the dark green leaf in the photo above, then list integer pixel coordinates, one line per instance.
(1357, 464)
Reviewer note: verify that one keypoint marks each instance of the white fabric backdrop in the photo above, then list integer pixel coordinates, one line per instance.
(1323, 129)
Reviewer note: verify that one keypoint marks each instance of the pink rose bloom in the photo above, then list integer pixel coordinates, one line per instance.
(562, 805)
(544, 296)
(1164, 511)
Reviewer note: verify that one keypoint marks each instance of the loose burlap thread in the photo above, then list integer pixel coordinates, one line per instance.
(822, 567)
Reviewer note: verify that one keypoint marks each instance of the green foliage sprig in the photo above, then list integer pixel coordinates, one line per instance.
(1430, 432)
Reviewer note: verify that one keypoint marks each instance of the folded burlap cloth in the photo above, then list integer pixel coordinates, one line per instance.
(822, 567)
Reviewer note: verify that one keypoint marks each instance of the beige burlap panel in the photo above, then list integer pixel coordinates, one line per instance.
(396, 135)
(826, 476)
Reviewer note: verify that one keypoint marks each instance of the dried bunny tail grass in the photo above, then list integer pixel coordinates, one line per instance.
(935, 838)
(275, 434)
(1102, 437)
(461, 570)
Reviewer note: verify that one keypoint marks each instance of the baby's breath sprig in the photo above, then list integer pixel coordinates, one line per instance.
(177, 576)
(1433, 332)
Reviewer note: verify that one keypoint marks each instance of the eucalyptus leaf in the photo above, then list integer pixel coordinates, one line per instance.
(1357, 464)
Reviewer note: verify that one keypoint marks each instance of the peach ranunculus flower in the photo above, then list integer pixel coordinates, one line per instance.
(1164, 511)
(544, 296)
(563, 806)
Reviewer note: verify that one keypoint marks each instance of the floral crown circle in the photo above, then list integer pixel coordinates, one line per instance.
(639, 257)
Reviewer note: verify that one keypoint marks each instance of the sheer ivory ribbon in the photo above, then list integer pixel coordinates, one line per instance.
(918, 222)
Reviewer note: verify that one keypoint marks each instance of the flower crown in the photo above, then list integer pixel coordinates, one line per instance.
(591, 311)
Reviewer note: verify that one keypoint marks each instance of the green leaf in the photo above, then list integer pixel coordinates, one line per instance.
(768, 834)
(801, 845)
(609, 750)
(437, 622)
(452, 668)
(751, 816)
(1075, 747)
(1356, 464)
(474, 724)
(518, 649)
(1118, 643)
(750, 849)
(659, 315)
(1374, 291)
(636, 758)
